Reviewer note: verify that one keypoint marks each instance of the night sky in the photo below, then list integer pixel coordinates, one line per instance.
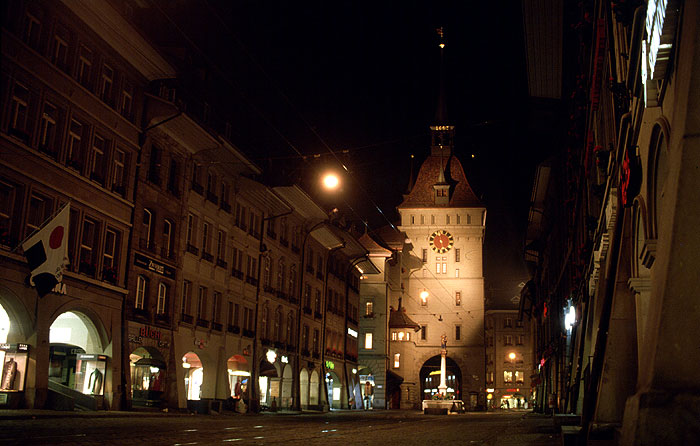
(361, 79)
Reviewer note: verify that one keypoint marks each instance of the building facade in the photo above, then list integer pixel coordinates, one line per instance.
(442, 281)
(628, 178)
(508, 360)
(71, 111)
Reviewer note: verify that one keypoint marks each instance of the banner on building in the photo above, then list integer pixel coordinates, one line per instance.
(47, 254)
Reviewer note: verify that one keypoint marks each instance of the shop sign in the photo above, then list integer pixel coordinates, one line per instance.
(151, 265)
(14, 348)
(330, 365)
(661, 24)
(490, 390)
(284, 359)
(148, 333)
(630, 177)
(91, 357)
(352, 332)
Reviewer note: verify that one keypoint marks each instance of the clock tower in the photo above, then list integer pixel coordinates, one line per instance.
(442, 280)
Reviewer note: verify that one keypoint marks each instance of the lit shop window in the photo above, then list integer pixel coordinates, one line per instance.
(397, 360)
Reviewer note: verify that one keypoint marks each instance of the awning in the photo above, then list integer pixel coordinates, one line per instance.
(150, 362)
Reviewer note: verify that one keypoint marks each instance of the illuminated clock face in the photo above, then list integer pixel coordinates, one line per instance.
(441, 241)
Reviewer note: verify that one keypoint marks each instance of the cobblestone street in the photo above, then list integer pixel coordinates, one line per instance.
(356, 428)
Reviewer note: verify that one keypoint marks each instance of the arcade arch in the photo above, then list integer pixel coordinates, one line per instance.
(430, 377)
(76, 358)
(304, 388)
(148, 373)
(194, 376)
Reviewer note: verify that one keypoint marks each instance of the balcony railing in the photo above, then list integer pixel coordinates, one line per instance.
(284, 242)
(279, 344)
(212, 197)
(208, 257)
(307, 310)
(235, 329)
(217, 326)
(251, 280)
(265, 342)
(222, 263)
(237, 274)
(317, 315)
(249, 333)
(186, 318)
(202, 323)
(225, 206)
(198, 188)
(306, 353)
(192, 249)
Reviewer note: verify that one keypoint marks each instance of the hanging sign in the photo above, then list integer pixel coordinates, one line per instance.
(660, 27)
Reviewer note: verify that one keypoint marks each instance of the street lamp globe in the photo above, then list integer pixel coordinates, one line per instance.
(331, 181)
(511, 356)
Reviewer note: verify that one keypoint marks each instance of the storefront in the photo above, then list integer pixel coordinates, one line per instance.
(276, 382)
(148, 358)
(13, 358)
(239, 381)
(194, 376)
(334, 386)
(77, 363)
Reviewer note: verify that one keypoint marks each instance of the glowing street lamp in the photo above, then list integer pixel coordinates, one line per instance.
(424, 297)
(331, 181)
(511, 356)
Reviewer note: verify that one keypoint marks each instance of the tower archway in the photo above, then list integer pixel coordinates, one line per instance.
(430, 378)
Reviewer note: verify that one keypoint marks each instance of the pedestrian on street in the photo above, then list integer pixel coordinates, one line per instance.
(369, 392)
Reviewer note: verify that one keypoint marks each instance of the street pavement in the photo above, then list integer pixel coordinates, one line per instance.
(501, 428)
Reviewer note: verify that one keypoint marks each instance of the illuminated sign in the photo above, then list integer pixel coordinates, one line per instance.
(661, 23)
(284, 359)
(330, 365)
(352, 332)
(490, 390)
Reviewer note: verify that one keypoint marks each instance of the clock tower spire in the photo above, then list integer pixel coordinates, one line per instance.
(441, 133)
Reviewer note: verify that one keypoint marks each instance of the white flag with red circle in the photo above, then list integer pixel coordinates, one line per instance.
(47, 253)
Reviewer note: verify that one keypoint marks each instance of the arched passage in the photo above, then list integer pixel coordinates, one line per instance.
(269, 382)
(75, 354)
(238, 379)
(4, 324)
(335, 390)
(194, 376)
(430, 377)
(313, 388)
(304, 388)
(148, 372)
(287, 380)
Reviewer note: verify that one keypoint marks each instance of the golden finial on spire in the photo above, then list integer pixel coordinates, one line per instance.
(441, 33)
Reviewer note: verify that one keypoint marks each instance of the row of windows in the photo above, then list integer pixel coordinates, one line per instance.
(507, 377)
(424, 297)
(442, 260)
(507, 340)
(316, 342)
(276, 330)
(94, 246)
(76, 56)
(67, 136)
(434, 220)
(507, 323)
(237, 315)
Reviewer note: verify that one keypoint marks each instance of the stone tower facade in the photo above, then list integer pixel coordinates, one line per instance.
(442, 280)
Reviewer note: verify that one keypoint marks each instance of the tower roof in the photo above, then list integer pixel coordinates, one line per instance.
(422, 194)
